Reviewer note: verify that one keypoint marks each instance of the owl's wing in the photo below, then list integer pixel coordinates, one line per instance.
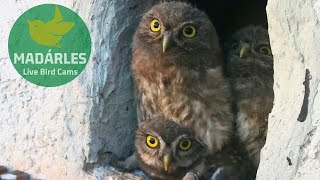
(139, 109)
(139, 113)
(142, 113)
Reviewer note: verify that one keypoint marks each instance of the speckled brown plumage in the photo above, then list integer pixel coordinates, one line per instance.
(252, 85)
(185, 83)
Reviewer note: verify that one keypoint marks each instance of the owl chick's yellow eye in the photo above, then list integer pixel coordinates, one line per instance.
(185, 145)
(155, 25)
(189, 31)
(152, 141)
(265, 50)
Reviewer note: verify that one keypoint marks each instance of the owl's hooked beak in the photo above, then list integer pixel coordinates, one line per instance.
(244, 49)
(166, 161)
(167, 42)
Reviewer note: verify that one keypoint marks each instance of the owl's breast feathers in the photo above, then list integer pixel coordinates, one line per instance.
(196, 98)
(254, 100)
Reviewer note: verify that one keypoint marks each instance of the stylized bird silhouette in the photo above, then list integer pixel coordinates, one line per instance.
(50, 33)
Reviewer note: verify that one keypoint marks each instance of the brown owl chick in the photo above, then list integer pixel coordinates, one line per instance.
(167, 150)
(250, 66)
(177, 73)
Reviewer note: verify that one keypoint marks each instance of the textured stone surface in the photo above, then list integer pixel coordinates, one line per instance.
(292, 150)
(56, 132)
(44, 131)
(113, 25)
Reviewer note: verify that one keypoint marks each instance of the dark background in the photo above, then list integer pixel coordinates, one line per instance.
(230, 15)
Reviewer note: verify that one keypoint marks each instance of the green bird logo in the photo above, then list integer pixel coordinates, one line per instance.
(50, 33)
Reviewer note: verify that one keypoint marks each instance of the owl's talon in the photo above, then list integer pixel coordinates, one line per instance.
(190, 176)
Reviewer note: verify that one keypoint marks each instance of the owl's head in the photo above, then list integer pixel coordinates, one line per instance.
(176, 32)
(249, 52)
(164, 147)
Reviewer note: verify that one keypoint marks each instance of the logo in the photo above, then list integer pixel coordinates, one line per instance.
(49, 45)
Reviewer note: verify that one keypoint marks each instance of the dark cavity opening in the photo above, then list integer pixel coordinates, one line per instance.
(231, 15)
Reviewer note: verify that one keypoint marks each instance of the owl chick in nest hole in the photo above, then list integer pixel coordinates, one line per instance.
(250, 67)
(166, 150)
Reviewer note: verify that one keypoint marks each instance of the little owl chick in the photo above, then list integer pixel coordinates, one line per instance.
(250, 66)
(177, 73)
(166, 150)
